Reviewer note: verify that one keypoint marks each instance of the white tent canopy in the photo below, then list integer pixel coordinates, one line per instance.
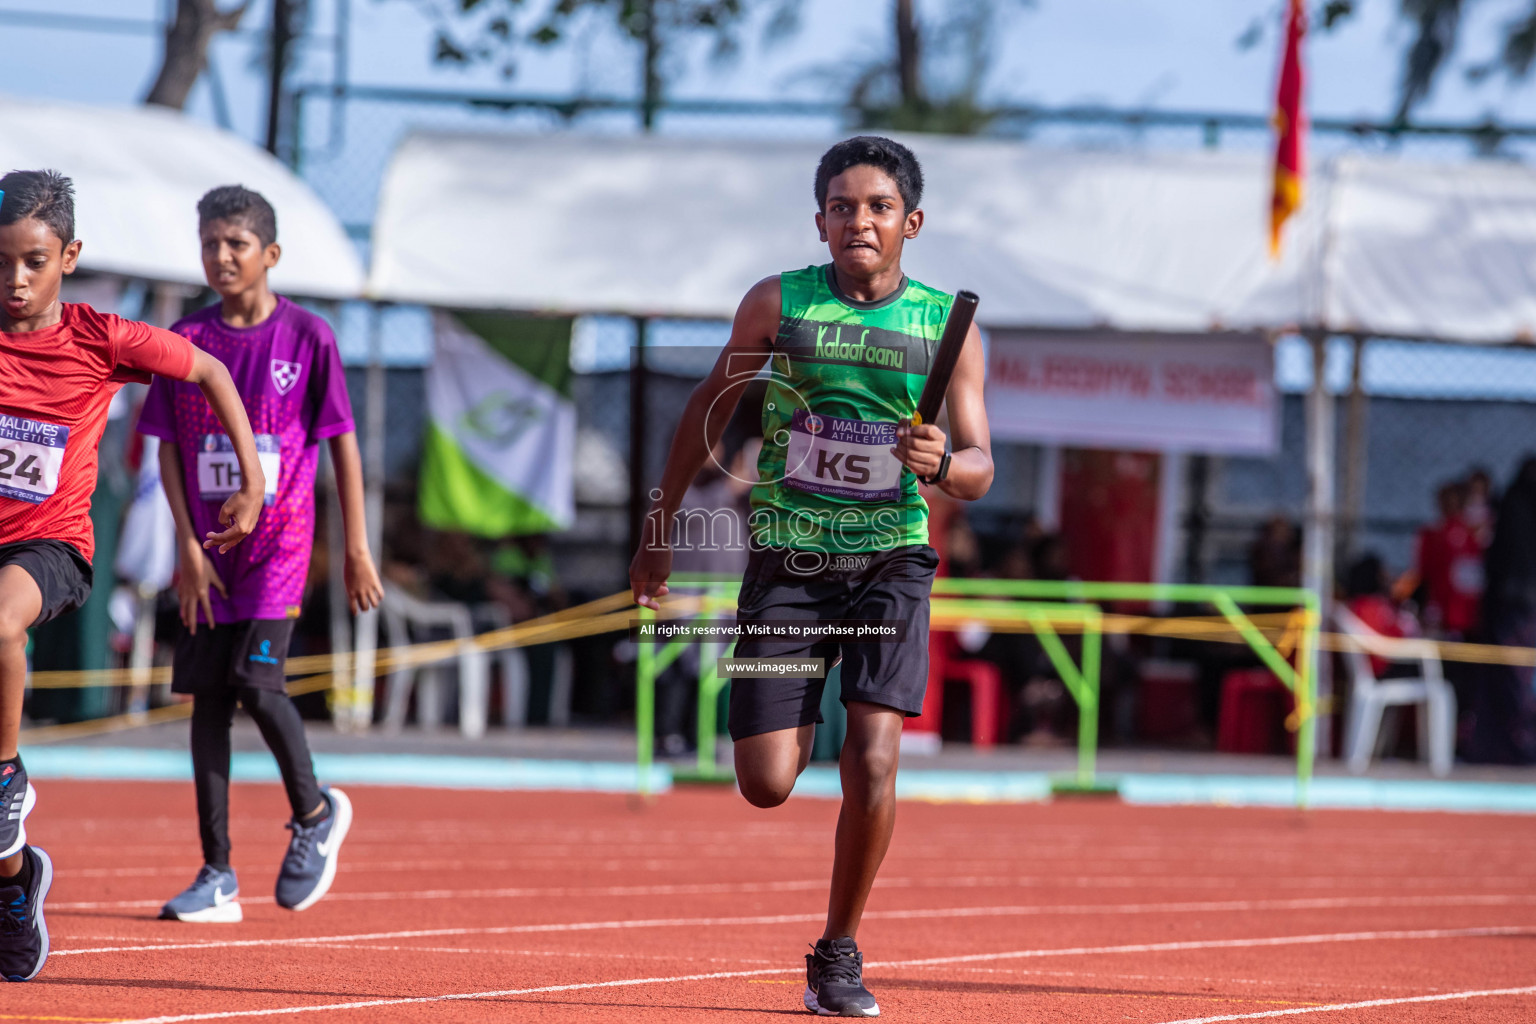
(138, 174)
(1126, 240)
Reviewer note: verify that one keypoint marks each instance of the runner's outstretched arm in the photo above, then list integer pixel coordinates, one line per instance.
(239, 514)
(709, 409)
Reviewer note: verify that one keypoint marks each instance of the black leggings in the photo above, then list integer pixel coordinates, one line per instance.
(281, 727)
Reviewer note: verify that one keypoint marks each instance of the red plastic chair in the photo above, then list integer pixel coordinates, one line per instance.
(1167, 709)
(946, 665)
(1254, 705)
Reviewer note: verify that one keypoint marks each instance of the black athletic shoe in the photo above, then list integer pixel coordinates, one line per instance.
(834, 980)
(23, 932)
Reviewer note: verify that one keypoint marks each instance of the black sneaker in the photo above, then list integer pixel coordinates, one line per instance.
(23, 932)
(834, 980)
(16, 800)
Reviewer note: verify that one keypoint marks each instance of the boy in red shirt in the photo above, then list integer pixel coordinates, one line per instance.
(1450, 567)
(60, 366)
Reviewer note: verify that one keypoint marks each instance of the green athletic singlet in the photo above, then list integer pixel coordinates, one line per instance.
(842, 374)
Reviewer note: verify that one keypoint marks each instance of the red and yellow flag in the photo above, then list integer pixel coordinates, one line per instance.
(1289, 125)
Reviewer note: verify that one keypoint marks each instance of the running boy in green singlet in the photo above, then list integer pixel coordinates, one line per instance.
(838, 528)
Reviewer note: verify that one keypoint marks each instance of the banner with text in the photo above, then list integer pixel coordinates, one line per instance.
(1207, 393)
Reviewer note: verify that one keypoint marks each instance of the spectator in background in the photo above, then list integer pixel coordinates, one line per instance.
(1016, 563)
(1480, 502)
(1366, 593)
(457, 569)
(1502, 713)
(1049, 558)
(1449, 567)
(1274, 558)
(963, 550)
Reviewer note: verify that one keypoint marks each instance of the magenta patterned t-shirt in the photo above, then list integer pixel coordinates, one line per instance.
(289, 376)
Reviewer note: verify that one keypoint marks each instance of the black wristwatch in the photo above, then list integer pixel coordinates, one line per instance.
(941, 473)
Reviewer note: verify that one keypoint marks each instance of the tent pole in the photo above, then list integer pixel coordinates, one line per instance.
(638, 429)
(1356, 414)
(281, 40)
(1048, 487)
(367, 631)
(1317, 539)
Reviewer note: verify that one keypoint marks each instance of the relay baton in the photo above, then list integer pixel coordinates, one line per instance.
(953, 340)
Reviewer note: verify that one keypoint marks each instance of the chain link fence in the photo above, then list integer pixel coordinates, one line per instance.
(1428, 415)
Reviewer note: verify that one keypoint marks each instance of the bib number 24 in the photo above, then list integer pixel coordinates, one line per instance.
(31, 454)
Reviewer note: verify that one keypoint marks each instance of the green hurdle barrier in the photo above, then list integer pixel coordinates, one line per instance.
(1081, 681)
(1300, 679)
(651, 659)
(1042, 605)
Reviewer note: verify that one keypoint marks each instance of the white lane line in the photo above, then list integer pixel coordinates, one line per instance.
(536, 952)
(1174, 947)
(1375, 880)
(723, 888)
(454, 997)
(928, 961)
(664, 922)
(1439, 997)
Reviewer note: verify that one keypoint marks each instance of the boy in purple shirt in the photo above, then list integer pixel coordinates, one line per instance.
(238, 608)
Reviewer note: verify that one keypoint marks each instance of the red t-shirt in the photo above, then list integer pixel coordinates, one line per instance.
(1381, 615)
(55, 386)
(1451, 566)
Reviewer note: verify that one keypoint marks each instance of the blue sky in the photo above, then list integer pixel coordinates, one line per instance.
(1175, 54)
(1171, 54)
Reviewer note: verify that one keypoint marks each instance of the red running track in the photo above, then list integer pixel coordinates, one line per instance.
(457, 906)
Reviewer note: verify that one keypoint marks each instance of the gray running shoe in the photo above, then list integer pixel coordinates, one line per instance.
(310, 864)
(212, 898)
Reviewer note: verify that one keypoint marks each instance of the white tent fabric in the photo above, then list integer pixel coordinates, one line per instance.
(1126, 240)
(138, 174)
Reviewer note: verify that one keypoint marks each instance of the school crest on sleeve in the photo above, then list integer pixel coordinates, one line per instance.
(285, 375)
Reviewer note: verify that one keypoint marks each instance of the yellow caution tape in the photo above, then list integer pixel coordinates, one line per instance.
(617, 612)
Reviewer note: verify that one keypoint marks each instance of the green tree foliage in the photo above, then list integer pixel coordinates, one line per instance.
(1436, 27)
(494, 32)
(931, 79)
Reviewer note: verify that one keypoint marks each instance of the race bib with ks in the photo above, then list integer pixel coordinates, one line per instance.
(31, 453)
(218, 467)
(843, 458)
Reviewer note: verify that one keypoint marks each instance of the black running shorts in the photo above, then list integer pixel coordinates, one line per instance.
(785, 585)
(60, 571)
(232, 655)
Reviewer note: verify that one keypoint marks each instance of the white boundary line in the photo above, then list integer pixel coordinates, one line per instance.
(1442, 997)
(454, 997)
(1181, 907)
(1156, 947)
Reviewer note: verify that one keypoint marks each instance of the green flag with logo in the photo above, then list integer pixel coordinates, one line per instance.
(501, 426)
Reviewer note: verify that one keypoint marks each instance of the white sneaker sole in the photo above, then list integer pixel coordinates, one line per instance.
(27, 803)
(45, 867)
(341, 806)
(227, 913)
(816, 1008)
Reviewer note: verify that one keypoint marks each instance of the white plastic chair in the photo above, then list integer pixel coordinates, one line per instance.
(515, 676)
(402, 614)
(1370, 697)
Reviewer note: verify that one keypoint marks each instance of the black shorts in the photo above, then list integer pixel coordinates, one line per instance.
(889, 585)
(61, 573)
(234, 655)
